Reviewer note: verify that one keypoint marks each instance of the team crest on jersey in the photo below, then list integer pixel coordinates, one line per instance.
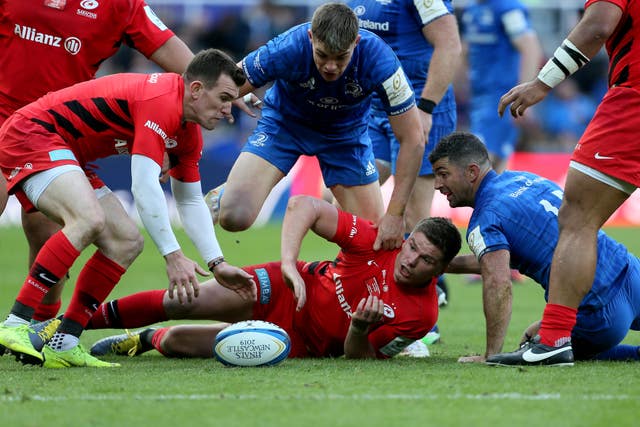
(259, 140)
(170, 143)
(89, 4)
(389, 311)
(353, 89)
(359, 10)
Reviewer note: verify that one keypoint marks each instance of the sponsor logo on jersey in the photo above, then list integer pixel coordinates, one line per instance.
(265, 285)
(344, 304)
(373, 25)
(384, 2)
(86, 14)
(156, 128)
(476, 241)
(72, 45)
(372, 286)
(14, 172)
(31, 34)
(395, 346)
(354, 229)
(359, 10)
(154, 19)
(309, 84)
(371, 169)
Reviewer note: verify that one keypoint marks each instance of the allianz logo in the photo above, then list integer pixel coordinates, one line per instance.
(71, 44)
(373, 25)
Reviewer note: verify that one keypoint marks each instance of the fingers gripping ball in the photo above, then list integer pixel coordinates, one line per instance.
(252, 343)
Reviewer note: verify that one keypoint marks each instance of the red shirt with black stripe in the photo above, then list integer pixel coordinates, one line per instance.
(119, 114)
(623, 46)
(47, 45)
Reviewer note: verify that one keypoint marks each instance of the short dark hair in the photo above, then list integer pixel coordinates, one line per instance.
(208, 65)
(462, 148)
(335, 25)
(443, 234)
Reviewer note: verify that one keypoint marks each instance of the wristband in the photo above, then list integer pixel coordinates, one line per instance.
(567, 59)
(216, 262)
(426, 105)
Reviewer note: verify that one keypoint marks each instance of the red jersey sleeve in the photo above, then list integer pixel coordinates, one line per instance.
(354, 234)
(145, 32)
(620, 3)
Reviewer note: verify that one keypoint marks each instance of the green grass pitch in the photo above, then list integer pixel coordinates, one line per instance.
(154, 391)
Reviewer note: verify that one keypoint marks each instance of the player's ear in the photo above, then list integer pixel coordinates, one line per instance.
(473, 172)
(196, 87)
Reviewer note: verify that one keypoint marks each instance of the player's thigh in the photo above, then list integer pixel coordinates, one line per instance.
(65, 197)
(588, 201)
(364, 201)
(250, 181)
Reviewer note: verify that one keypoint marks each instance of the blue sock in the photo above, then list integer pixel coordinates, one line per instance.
(620, 352)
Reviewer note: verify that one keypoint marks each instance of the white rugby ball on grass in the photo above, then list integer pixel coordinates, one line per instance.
(252, 343)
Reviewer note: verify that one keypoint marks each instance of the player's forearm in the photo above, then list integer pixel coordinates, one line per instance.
(464, 264)
(151, 203)
(298, 220)
(356, 345)
(497, 299)
(442, 67)
(196, 218)
(407, 168)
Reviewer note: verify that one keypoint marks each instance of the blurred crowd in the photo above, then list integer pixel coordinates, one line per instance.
(239, 27)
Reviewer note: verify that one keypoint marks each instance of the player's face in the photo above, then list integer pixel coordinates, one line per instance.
(453, 182)
(209, 106)
(331, 65)
(418, 262)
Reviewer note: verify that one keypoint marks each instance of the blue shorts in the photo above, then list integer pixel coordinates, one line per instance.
(599, 330)
(345, 158)
(500, 135)
(386, 146)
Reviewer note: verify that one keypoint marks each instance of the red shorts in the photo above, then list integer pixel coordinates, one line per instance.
(276, 302)
(609, 143)
(27, 148)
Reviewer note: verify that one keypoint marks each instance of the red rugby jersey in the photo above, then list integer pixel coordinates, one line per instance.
(623, 46)
(46, 45)
(122, 114)
(357, 272)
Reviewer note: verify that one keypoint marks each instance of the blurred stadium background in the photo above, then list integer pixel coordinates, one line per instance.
(549, 130)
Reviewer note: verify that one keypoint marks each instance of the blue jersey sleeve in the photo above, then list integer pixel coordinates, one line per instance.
(485, 233)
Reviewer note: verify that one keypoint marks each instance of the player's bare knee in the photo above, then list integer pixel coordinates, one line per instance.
(236, 219)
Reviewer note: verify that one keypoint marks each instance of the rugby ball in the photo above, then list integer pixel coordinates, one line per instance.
(252, 343)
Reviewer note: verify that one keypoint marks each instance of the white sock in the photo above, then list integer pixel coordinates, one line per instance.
(13, 321)
(61, 341)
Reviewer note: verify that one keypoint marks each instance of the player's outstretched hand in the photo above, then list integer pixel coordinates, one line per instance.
(181, 272)
(522, 97)
(472, 359)
(237, 280)
(293, 279)
(390, 232)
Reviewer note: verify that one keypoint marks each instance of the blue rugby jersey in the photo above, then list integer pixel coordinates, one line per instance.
(399, 23)
(488, 27)
(299, 93)
(517, 211)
